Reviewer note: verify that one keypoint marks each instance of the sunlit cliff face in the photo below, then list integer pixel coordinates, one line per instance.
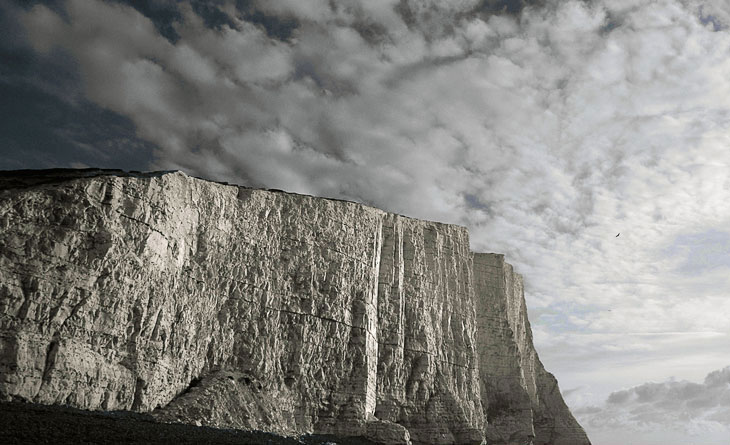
(264, 310)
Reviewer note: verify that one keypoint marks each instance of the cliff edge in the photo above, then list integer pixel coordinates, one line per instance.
(220, 305)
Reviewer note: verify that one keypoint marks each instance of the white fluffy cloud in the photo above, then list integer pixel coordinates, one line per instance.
(545, 132)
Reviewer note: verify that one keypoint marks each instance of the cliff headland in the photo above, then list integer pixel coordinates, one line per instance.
(218, 305)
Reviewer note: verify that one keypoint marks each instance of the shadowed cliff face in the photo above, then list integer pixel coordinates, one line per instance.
(231, 307)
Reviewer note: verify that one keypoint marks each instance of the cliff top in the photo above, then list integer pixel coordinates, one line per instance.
(17, 179)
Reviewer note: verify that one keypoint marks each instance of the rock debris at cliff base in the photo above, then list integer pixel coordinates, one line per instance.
(231, 307)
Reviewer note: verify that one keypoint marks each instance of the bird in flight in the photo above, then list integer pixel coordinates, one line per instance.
(618, 235)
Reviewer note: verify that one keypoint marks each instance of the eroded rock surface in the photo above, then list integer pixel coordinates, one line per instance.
(225, 306)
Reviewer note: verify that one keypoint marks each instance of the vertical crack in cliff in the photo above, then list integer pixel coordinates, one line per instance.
(139, 388)
(49, 362)
(371, 324)
(75, 309)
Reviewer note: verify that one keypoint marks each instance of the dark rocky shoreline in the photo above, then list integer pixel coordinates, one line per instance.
(28, 423)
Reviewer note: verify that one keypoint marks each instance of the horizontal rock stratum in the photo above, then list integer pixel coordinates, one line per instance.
(221, 305)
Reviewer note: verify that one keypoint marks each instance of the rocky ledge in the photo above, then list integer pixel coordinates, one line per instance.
(218, 305)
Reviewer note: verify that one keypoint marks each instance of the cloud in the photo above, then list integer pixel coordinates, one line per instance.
(45, 119)
(715, 13)
(681, 406)
(570, 391)
(701, 252)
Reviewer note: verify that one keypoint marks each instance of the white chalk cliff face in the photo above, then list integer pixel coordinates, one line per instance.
(221, 305)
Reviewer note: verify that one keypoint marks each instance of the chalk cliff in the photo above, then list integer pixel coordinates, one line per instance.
(221, 305)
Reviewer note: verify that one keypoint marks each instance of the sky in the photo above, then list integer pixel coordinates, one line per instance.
(546, 127)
